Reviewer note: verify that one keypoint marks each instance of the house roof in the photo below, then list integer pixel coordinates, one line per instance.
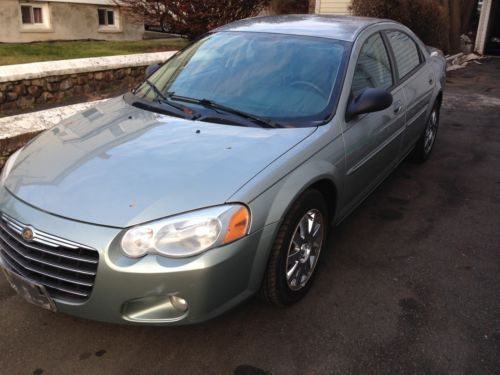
(92, 2)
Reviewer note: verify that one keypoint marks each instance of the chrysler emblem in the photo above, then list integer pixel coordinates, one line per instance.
(27, 234)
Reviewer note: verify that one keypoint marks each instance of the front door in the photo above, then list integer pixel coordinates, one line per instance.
(373, 141)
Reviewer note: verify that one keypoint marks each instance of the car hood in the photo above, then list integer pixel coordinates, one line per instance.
(117, 165)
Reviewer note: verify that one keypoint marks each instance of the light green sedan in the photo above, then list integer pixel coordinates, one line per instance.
(218, 177)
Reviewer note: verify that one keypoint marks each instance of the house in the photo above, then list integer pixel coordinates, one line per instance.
(339, 7)
(43, 20)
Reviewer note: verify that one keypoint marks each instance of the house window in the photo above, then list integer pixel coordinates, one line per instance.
(106, 17)
(31, 15)
(34, 17)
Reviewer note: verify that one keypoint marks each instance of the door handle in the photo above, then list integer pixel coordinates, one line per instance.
(397, 107)
(431, 80)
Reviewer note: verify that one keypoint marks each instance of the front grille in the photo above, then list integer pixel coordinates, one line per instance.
(65, 268)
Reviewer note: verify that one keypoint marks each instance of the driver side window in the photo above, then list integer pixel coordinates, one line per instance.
(373, 69)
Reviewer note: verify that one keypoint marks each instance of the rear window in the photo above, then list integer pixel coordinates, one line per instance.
(405, 51)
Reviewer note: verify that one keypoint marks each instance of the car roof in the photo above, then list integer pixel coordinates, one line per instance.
(344, 28)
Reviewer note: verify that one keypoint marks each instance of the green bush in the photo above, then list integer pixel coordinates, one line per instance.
(426, 18)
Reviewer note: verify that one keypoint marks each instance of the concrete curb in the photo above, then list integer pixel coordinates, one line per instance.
(16, 131)
(20, 72)
(13, 126)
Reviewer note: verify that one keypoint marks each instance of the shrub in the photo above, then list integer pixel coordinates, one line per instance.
(289, 6)
(426, 18)
(194, 17)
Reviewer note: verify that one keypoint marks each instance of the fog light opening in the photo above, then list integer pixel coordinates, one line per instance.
(179, 303)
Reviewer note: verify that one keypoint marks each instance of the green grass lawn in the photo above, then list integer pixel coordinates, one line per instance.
(21, 53)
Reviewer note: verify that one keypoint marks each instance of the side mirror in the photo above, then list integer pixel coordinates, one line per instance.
(370, 100)
(151, 69)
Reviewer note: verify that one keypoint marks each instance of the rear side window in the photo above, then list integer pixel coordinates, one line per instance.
(373, 69)
(405, 51)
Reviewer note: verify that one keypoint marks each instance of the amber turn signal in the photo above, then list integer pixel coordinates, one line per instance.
(238, 225)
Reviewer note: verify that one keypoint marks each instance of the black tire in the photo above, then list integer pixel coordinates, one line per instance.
(275, 288)
(422, 149)
(165, 26)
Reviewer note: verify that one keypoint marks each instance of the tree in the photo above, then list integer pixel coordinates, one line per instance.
(289, 6)
(437, 22)
(191, 17)
(459, 14)
(427, 18)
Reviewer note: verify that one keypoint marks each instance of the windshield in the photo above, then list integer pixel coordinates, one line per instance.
(290, 79)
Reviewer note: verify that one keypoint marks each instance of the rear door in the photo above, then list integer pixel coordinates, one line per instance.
(373, 141)
(416, 77)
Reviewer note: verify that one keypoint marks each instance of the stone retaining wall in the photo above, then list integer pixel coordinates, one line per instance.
(29, 86)
(17, 96)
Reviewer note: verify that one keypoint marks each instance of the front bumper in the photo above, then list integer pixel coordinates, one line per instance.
(137, 291)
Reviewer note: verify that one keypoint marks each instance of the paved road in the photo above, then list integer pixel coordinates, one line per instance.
(410, 283)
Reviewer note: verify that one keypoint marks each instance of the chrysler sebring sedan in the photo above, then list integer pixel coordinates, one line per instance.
(217, 177)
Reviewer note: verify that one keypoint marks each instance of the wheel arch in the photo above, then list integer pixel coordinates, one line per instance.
(325, 185)
(272, 205)
(329, 191)
(439, 98)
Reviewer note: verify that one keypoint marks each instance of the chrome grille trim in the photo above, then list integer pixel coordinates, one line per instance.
(50, 285)
(67, 269)
(39, 260)
(44, 238)
(45, 272)
(52, 252)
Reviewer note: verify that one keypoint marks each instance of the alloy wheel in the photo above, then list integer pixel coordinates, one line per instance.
(304, 249)
(430, 131)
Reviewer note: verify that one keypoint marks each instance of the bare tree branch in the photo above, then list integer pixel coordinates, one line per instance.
(191, 17)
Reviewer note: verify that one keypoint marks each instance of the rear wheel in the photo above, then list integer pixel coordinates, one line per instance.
(296, 250)
(424, 145)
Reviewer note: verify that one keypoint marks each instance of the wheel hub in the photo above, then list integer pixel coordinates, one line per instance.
(305, 250)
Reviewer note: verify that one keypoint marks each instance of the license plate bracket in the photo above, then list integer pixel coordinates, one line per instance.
(31, 291)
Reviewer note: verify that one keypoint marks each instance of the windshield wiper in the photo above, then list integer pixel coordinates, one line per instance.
(165, 100)
(219, 107)
(156, 89)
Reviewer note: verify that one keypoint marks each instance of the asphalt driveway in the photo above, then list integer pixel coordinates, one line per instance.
(410, 282)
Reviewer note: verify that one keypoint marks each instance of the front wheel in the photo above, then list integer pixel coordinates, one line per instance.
(296, 250)
(424, 145)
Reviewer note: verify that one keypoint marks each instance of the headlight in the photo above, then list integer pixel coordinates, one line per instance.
(188, 234)
(8, 166)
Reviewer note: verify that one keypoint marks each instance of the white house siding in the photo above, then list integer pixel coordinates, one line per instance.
(482, 30)
(339, 7)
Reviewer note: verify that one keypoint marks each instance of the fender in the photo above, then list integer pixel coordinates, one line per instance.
(274, 203)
